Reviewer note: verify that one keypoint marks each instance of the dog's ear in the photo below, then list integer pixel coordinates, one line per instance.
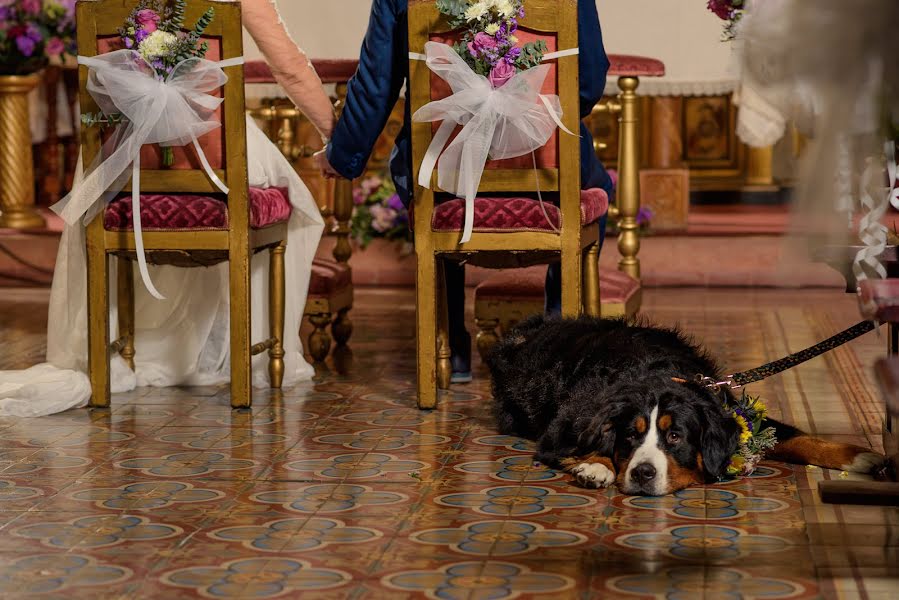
(720, 440)
(600, 433)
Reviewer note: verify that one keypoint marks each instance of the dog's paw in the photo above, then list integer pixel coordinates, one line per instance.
(865, 462)
(593, 475)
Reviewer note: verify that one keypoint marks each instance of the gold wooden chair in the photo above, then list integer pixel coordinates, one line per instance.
(514, 242)
(511, 296)
(232, 237)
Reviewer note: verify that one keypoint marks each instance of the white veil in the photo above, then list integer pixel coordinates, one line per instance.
(829, 66)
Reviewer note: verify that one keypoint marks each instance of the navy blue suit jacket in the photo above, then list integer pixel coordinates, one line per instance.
(384, 69)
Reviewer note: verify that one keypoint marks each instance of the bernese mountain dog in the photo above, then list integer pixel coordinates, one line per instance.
(614, 402)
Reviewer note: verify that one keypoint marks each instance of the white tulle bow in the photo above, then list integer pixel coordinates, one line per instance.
(170, 112)
(505, 122)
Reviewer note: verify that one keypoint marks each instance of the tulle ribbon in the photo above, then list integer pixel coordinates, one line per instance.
(509, 121)
(173, 111)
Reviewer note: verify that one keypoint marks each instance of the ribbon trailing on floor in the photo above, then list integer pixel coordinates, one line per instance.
(504, 122)
(173, 111)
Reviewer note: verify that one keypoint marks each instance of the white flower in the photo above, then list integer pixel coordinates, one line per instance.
(492, 29)
(476, 11)
(157, 44)
(504, 7)
(513, 40)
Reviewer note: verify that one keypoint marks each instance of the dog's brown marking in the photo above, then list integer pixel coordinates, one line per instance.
(699, 462)
(807, 450)
(640, 425)
(680, 477)
(665, 422)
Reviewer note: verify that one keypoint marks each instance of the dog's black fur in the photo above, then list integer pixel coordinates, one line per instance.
(576, 386)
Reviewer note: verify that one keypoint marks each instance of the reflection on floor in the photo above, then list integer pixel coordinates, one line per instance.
(342, 489)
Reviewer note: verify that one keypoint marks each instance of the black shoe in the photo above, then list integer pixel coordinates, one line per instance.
(460, 357)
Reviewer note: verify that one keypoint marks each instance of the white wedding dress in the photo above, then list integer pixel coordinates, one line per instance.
(184, 340)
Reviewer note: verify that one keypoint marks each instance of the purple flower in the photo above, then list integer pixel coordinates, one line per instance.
(644, 215)
(140, 35)
(395, 203)
(25, 45)
(382, 218)
(33, 32)
(129, 43)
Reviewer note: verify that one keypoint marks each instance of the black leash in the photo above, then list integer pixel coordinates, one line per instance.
(742, 378)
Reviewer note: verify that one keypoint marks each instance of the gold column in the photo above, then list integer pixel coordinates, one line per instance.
(667, 147)
(628, 195)
(760, 167)
(16, 164)
(343, 201)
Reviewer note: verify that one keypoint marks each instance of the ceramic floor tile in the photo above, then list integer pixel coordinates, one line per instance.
(342, 488)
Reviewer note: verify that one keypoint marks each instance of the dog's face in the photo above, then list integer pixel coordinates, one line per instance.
(664, 436)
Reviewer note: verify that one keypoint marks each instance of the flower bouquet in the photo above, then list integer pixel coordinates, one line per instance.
(33, 32)
(488, 44)
(378, 212)
(730, 11)
(156, 32)
(749, 412)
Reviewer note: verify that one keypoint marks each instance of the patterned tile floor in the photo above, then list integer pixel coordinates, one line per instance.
(342, 489)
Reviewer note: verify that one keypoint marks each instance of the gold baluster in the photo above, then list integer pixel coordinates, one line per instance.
(628, 194)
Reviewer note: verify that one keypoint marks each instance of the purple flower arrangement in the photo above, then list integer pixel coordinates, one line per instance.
(33, 32)
(489, 44)
(156, 32)
(730, 11)
(378, 212)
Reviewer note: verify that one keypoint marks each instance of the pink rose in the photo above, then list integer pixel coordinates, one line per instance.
(501, 73)
(722, 8)
(55, 47)
(147, 20)
(482, 43)
(31, 7)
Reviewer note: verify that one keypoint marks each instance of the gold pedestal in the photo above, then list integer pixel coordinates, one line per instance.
(17, 209)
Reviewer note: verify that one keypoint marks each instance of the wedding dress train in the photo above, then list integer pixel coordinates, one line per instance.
(184, 340)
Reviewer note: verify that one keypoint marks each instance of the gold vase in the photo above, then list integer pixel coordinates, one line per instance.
(17, 209)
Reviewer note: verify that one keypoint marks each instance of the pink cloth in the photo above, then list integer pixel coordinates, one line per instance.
(288, 63)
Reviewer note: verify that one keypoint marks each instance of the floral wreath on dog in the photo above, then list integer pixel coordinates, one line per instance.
(749, 412)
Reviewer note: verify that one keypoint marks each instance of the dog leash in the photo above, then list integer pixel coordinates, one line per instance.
(738, 380)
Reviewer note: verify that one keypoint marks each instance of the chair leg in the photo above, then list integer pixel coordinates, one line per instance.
(342, 329)
(125, 289)
(276, 315)
(426, 329)
(444, 364)
(319, 341)
(592, 304)
(241, 369)
(487, 337)
(98, 323)
(571, 283)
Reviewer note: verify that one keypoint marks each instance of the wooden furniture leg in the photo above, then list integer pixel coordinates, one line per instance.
(276, 314)
(98, 315)
(426, 328)
(628, 195)
(125, 289)
(444, 364)
(239, 280)
(319, 341)
(592, 304)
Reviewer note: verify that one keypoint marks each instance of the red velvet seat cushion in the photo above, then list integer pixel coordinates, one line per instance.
(328, 277)
(516, 214)
(178, 212)
(517, 285)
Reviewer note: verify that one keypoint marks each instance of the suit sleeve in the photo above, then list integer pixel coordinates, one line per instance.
(372, 92)
(593, 62)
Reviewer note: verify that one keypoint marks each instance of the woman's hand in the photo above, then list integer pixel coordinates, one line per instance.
(320, 159)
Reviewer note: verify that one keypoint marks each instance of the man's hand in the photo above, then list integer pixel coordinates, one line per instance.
(320, 159)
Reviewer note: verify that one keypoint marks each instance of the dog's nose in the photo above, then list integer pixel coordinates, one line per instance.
(644, 472)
